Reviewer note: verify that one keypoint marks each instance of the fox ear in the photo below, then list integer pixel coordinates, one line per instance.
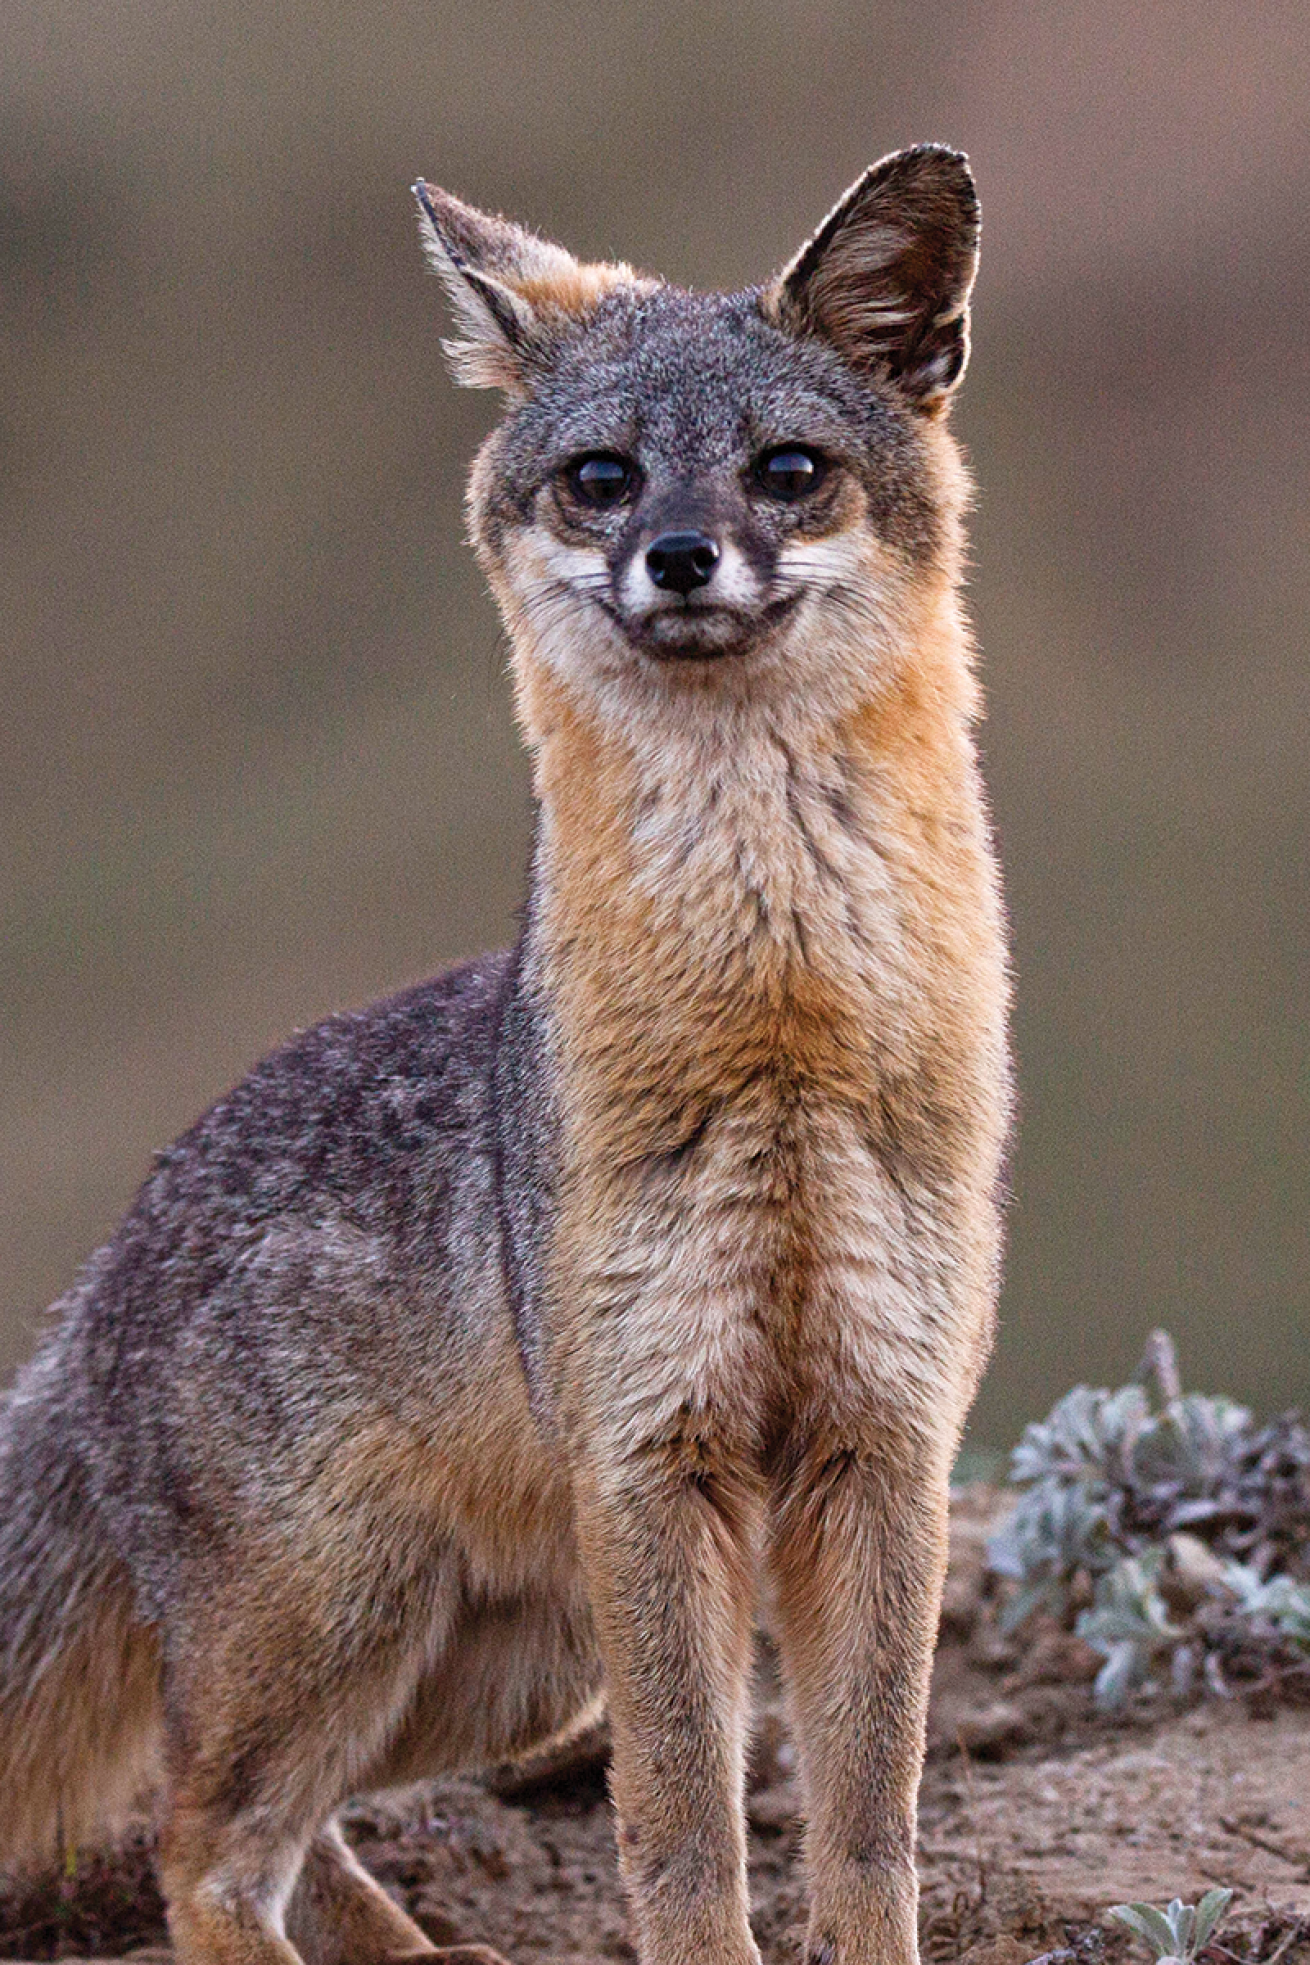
(512, 293)
(886, 278)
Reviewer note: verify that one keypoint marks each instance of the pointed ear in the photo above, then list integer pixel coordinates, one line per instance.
(886, 278)
(512, 293)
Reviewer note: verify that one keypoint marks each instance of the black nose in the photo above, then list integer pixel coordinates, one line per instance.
(682, 560)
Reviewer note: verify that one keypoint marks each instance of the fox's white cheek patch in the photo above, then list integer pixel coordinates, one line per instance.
(580, 566)
(733, 583)
(823, 562)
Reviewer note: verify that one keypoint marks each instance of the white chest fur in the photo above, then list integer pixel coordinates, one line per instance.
(762, 1230)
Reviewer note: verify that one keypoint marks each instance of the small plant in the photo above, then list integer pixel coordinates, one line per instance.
(1177, 1934)
(1168, 1529)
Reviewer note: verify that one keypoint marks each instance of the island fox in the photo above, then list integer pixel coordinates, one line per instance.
(485, 1351)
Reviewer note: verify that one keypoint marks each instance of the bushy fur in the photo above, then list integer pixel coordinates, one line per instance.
(489, 1344)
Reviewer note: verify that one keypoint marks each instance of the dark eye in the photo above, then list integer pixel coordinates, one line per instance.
(790, 472)
(601, 479)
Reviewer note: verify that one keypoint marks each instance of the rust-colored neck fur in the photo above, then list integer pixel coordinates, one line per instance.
(739, 900)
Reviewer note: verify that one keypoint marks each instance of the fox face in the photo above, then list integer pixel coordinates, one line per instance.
(736, 493)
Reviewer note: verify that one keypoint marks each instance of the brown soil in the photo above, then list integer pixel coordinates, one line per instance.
(1036, 1816)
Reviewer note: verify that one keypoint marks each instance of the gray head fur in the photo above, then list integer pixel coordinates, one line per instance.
(846, 358)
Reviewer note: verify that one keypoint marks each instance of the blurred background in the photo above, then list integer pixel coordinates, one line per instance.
(255, 749)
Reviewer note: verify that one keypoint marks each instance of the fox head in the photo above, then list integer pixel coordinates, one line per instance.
(735, 496)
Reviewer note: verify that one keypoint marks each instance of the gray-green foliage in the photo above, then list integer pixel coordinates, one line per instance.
(1167, 1527)
(1177, 1933)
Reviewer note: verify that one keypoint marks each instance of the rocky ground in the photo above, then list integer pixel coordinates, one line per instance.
(1036, 1816)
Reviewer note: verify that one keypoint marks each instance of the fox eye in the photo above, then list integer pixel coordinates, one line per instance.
(601, 479)
(790, 472)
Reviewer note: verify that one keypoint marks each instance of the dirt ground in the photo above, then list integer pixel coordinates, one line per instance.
(1036, 1816)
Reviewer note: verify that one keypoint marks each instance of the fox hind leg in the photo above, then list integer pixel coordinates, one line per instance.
(338, 1914)
(277, 1697)
(253, 1869)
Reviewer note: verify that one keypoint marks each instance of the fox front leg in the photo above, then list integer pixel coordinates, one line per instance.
(858, 1553)
(668, 1550)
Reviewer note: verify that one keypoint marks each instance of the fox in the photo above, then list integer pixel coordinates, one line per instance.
(490, 1354)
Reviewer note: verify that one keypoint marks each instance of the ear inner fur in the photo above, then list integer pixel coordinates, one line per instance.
(512, 293)
(886, 278)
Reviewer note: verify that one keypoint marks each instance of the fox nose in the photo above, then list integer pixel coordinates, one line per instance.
(682, 560)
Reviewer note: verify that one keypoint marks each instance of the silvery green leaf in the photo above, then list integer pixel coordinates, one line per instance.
(1132, 1917)
(1080, 1436)
(1129, 1605)
(1120, 1422)
(1208, 1913)
(1110, 1478)
(1279, 1601)
(1148, 1923)
(1192, 1445)
(1125, 1668)
(1113, 1626)
(1055, 1530)
(1020, 1607)
(1182, 1921)
(1004, 1551)
(1245, 1583)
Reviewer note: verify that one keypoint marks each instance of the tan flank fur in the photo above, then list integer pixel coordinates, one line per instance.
(486, 1352)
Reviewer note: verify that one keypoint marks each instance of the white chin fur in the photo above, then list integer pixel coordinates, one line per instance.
(815, 666)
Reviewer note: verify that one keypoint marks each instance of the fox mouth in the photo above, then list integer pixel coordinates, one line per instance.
(700, 631)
